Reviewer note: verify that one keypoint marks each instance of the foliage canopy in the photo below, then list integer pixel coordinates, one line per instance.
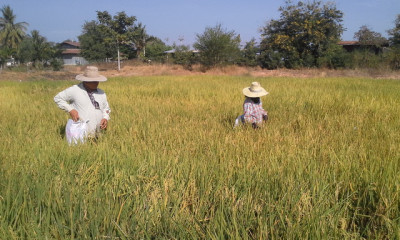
(103, 38)
(155, 49)
(368, 37)
(304, 33)
(11, 33)
(217, 46)
(394, 33)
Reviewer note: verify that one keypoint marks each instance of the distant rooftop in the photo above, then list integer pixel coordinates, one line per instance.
(71, 51)
(349, 43)
(76, 44)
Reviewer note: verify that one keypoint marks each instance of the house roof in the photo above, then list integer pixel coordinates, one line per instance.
(349, 43)
(76, 44)
(71, 51)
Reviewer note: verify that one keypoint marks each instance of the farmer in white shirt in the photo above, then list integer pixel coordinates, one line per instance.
(86, 102)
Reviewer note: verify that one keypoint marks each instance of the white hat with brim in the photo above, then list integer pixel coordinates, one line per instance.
(91, 74)
(255, 90)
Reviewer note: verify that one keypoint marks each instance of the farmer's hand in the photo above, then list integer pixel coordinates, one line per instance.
(103, 123)
(74, 115)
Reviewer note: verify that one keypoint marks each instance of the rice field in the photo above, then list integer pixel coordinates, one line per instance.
(171, 166)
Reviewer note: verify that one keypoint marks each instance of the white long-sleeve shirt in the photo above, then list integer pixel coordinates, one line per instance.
(76, 97)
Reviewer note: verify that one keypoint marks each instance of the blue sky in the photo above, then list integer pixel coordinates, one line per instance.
(171, 20)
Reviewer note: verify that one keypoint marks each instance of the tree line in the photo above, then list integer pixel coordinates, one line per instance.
(306, 35)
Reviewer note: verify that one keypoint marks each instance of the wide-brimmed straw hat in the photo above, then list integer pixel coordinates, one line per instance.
(255, 90)
(91, 74)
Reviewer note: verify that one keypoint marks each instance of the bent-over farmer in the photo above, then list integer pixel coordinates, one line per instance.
(254, 112)
(86, 102)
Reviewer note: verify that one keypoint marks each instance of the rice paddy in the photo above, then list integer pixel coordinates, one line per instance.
(171, 166)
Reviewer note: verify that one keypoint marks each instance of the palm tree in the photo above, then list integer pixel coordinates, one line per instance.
(11, 33)
(139, 39)
(41, 48)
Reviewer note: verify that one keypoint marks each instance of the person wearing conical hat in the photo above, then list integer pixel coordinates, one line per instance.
(86, 102)
(254, 113)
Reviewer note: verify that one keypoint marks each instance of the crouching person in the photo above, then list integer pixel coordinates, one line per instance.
(86, 103)
(254, 113)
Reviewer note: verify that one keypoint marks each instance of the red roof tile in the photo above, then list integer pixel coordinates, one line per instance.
(349, 43)
(71, 51)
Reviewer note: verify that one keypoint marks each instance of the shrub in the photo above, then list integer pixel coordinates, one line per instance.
(335, 58)
(366, 59)
(271, 59)
(393, 58)
(56, 64)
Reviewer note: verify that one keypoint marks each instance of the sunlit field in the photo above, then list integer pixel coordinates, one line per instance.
(171, 166)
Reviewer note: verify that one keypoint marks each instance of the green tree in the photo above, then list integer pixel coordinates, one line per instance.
(304, 33)
(368, 37)
(394, 54)
(271, 59)
(217, 46)
(393, 57)
(25, 51)
(365, 59)
(394, 33)
(35, 48)
(370, 54)
(250, 53)
(155, 49)
(93, 46)
(11, 33)
(42, 51)
(117, 29)
(139, 37)
(117, 33)
(184, 56)
(335, 57)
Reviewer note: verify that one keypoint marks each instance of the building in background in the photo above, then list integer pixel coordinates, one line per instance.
(71, 53)
(351, 46)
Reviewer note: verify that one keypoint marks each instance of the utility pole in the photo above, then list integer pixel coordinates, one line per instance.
(119, 63)
(144, 46)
